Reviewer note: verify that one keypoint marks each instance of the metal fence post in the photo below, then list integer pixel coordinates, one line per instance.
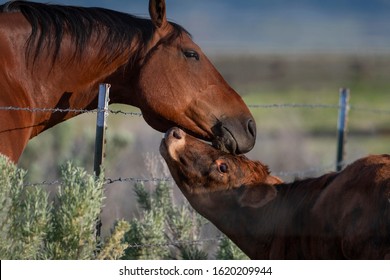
(104, 90)
(342, 127)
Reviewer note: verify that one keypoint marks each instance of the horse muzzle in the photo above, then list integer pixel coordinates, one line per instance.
(234, 135)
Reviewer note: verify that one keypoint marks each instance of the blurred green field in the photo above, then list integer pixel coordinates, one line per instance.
(294, 142)
(303, 138)
(306, 137)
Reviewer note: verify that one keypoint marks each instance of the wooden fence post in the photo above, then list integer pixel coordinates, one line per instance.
(342, 127)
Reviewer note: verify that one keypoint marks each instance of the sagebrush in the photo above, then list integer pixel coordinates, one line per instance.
(32, 226)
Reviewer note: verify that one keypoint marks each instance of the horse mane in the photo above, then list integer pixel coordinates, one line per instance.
(50, 22)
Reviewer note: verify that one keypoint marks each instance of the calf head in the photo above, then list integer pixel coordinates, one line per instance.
(211, 179)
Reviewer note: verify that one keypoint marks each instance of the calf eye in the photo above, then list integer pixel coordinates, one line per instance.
(222, 167)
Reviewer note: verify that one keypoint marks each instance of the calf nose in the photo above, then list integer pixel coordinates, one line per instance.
(175, 133)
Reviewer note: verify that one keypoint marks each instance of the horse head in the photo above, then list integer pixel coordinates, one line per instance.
(179, 86)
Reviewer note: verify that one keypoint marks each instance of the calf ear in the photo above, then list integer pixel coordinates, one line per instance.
(157, 12)
(273, 180)
(257, 196)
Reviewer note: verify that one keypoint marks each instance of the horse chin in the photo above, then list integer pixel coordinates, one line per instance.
(224, 139)
(228, 145)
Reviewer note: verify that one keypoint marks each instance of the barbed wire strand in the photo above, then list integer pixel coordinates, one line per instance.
(109, 181)
(253, 106)
(68, 110)
(293, 105)
(176, 243)
(370, 110)
(303, 173)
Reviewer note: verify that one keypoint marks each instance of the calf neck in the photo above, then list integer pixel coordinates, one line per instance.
(342, 215)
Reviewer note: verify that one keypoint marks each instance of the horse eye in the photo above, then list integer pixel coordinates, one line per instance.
(191, 54)
(223, 168)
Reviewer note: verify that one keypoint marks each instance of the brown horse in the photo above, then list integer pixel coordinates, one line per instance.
(55, 56)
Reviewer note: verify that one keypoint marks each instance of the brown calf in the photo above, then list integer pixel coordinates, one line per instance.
(342, 215)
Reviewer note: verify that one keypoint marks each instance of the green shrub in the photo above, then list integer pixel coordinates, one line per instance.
(227, 250)
(31, 227)
(163, 231)
(168, 231)
(34, 227)
(24, 212)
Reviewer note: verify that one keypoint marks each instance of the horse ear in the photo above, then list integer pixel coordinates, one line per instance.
(257, 196)
(157, 12)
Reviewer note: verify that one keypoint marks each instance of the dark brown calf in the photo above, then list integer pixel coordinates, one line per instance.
(342, 215)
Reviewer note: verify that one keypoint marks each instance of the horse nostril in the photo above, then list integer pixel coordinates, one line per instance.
(251, 128)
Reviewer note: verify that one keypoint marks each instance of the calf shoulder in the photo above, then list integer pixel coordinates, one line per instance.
(354, 210)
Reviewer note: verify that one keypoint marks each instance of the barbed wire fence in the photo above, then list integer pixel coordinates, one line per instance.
(105, 111)
(254, 106)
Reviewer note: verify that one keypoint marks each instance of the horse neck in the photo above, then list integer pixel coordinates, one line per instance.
(75, 84)
(75, 61)
(72, 82)
(34, 74)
